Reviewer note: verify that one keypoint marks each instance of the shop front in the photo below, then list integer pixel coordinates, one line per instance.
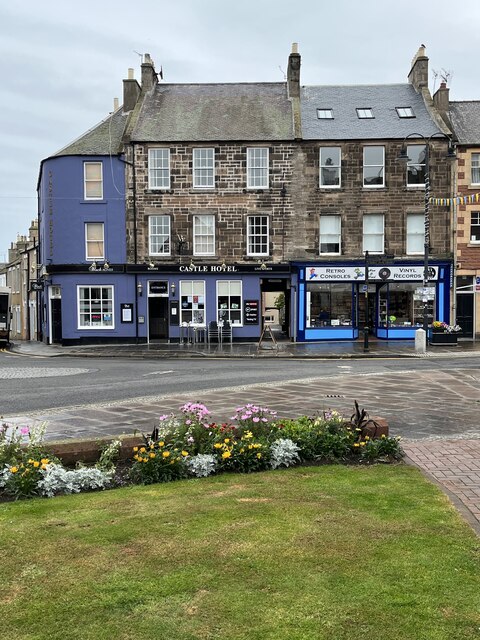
(337, 301)
(192, 296)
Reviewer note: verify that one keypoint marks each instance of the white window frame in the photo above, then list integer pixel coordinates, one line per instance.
(377, 234)
(325, 114)
(263, 166)
(415, 235)
(418, 185)
(209, 236)
(186, 290)
(89, 257)
(97, 327)
(338, 218)
(254, 239)
(405, 112)
(374, 186)
(229, 308)
(475, 166)
(476, 224)
(152, 235)
(334, 166)
(160, 182)
(365, 113)
(205, 168)
(86, 180)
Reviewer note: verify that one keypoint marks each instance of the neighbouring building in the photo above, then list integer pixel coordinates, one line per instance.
(19, 273)
(199, 203)
(465, 118)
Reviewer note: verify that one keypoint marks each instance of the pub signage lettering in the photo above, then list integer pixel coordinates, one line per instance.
(207, 268)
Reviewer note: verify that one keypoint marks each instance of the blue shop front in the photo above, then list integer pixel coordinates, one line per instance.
(335, 300)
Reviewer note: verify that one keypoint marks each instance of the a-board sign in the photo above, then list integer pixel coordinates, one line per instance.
(251, 311)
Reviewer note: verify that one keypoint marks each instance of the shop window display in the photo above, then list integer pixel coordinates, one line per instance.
(329, 305)
(400, 306)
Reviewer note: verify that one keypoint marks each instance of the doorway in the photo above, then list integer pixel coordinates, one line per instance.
(157, 318)
(56, 319)
(465, 312)
(275, 307)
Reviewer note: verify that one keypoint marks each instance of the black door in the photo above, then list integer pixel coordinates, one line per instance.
(157, 318)
(465, 314)
(56, 319)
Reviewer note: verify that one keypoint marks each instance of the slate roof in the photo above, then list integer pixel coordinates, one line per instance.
(465, 119)
(345, 125)
(215, 112)
(103, 139)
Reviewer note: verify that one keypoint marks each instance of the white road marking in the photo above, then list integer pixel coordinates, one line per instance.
(157, 373)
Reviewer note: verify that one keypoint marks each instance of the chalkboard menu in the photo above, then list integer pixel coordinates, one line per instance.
(250, 311)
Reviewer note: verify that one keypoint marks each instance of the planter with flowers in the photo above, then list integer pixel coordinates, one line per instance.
(444, 334)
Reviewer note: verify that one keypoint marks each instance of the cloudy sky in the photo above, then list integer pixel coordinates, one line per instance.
(62, 62)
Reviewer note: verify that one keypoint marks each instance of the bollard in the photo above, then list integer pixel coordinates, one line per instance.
(420, 341)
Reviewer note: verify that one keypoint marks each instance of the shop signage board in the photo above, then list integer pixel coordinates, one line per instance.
(250, 308)
(390, 273)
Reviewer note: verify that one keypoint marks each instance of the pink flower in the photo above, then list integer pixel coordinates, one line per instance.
(24, 431)
(256, 419)
(188, 422)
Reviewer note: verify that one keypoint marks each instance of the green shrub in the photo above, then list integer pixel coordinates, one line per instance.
(158, 462)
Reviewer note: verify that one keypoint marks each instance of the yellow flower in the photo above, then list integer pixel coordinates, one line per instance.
(226, 454)
(248, 434)
(166, 454)
(172, 461)
(362, 444)
(383, 435)
(30, 461)
(142, 450)
(242, 450)
(356, 444)
(218, 445)
(152, 445)
(44, 460)
(144, 459)
(367, 437)
(257, 445)
(259, 455)
(36, 464)
(152, 455)
(43, 467)
(250, 446)
(357, 429)
(227, 440)
(135, 449)
(13, 469)
(184, 454)
(161, 443)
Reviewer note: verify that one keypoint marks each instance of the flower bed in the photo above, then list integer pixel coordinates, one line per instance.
(191, 444)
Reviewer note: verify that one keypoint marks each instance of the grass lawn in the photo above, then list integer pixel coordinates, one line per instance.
(307, 553)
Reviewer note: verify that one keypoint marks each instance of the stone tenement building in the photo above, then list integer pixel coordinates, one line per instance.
(195, 204)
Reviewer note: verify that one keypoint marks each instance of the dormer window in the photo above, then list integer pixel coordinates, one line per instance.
(325, 114)
(405, 112)
(365, 113)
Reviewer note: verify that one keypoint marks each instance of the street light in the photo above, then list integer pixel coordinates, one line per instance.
(403, 157)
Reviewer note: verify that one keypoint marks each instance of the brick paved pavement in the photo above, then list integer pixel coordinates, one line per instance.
(455, 465)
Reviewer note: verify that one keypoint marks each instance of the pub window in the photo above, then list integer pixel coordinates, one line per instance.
(229, 301)
(95, 307)
(192, 302)
(475, 226)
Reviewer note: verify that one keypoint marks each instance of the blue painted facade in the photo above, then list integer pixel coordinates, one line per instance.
(377, 291)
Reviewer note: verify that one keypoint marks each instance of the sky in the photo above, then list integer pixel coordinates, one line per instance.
(62, 62)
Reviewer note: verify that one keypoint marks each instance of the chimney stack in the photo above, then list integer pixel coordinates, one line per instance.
(441, 99)
(149, 76)
(115, 104)
(418, 76)
(293, 73)
(131, 92)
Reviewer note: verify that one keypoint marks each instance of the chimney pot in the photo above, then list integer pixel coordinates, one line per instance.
(115, 104)
(294, 47)
(131, 74)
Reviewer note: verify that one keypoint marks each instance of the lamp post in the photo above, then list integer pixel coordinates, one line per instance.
(403, 156)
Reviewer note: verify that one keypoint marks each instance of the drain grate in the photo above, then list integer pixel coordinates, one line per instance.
(333, 395)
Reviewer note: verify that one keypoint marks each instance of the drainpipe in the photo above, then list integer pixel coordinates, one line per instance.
(135, 250)
(455, 252)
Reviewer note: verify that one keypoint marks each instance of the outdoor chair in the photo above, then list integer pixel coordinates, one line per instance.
(226, 331)
(213, 332)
